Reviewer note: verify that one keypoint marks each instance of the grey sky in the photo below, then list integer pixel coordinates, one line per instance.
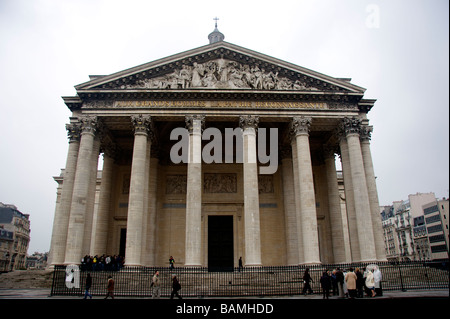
(48, 46)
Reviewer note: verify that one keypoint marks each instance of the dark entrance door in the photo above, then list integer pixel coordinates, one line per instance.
(220, 243)
(123, 240)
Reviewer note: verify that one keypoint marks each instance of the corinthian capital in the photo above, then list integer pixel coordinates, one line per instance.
(73, 132)
(366, 132)
(351, 125)
(189, 120)
(141, 123)
(246, 121)
(300, 125)
(89, 124)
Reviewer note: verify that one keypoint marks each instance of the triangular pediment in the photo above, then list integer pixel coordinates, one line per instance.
(219, 66)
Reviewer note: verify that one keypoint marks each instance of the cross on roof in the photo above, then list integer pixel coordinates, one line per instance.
(216, 18)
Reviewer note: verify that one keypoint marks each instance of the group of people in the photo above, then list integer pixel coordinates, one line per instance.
(104, 262)
(351, 283)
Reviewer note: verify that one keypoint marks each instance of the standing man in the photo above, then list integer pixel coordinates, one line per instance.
(171, 263)
(156, 290)
(240, 264)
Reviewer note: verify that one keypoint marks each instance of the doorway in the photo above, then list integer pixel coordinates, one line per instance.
(220, 243)
(123, 240)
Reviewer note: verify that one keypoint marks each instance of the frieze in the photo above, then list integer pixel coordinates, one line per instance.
(206, 104)
(220, 183)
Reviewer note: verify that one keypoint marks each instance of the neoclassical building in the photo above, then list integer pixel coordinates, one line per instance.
(213, 154)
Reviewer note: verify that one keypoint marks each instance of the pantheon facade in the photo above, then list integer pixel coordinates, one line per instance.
(160, 194)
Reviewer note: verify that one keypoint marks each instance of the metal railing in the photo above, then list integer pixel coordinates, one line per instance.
(198, 282)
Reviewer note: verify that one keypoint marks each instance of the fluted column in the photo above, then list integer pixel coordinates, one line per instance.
(62, 211)
(308, 216)
(193, 257)
(372, 192)
(79, 205)
(137, 190)
(290, 215)
(361, 197)
(252, 231)
(334, 206)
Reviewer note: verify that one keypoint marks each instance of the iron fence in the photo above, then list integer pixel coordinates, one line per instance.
(198, 282)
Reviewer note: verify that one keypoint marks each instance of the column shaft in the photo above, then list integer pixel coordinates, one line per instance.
(137, 192)
(62, 211)
(337, 230)
(373, 195)
(308, 215)
(251, 192)
(193, 243)
(290, 217)
(78, 208)
(362, 205)
(102, 217)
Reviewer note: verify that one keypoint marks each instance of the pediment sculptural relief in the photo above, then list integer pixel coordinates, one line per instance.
(221, 74)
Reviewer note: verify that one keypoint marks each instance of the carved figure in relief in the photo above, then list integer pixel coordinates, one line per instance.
(221, 73)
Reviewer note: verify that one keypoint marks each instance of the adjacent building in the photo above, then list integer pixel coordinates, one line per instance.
(416, 229)
(14, 238)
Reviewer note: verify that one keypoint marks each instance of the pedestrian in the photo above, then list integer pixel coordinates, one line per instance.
(377, 280)
(350, 279)
(325, 282)
(307, 280)
(175, 287)
(359, 283)
(340, 282)
(110, 288)
(370, 283)
(88, 286)
(156, 290)
(334, 284)
(240, 264)
(171, 263)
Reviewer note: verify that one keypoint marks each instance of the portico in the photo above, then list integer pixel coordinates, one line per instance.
(157, 207)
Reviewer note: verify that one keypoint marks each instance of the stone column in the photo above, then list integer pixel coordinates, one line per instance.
(361, 197)
(62, 211)
(290, 215)
(151, 216)
(79, 205)
(308, 216)
(104, 203)
(334, 206)
(372, 191)
(139, 165)
(251, 192)
(349, 199)
(193, 257)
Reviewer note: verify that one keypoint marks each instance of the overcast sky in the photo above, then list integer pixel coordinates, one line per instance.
(397, 50)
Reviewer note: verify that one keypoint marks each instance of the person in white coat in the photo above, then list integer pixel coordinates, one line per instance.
(370, 283)
(377, 280)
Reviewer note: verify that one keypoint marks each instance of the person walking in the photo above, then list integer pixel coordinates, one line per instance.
(171, 263)
(370, 283)
(175, 287)
(307, 280)
(156, 289)
(110, 288)
(88, 286)
(350, 279)
(325, 283)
